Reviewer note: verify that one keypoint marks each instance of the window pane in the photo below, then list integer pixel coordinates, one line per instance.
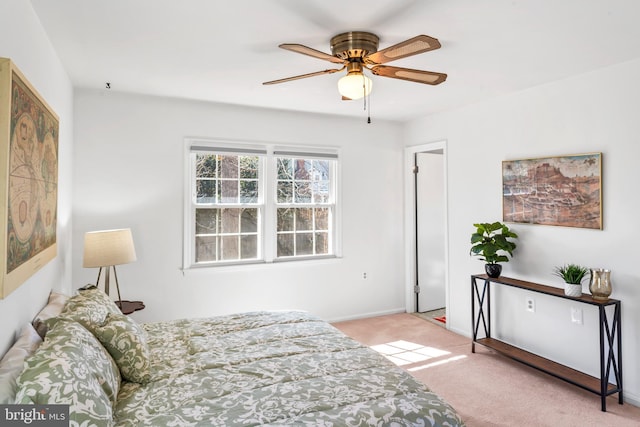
(321, 170)
(285, 245)
(227, 234)
(206, 165)
(248, 191)
(230, 221)
(320, 184)
(320, 192)
(322, 243)
(304, 219)
(229, 193)
(249, 221)
(300, 237)
(285, 219)
(285, 168)
(249, 247)
(302, 169)
(206, 221)
(303, 192)
(228, 166)
(230, 249)
(322, 219)
(206, 248)
(285, 191)
(206, 190)
(249, 167)
(304, 244)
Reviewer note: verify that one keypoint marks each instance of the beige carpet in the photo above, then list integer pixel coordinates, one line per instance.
(432, 316)
(487, 389)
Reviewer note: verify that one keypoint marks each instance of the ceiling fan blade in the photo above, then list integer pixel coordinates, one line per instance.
(303, 76)
(418, 76)
(413, 46)
(305, 50)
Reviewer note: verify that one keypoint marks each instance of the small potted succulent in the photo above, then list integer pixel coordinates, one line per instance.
(572, 274)
(491, 243)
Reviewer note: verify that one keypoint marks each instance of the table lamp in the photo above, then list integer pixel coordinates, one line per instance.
(106, 249)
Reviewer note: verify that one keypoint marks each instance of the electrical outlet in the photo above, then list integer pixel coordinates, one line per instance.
(364, 275)
(576, 315)
(530, 305)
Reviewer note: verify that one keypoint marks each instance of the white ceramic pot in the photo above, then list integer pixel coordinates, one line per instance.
(572, 290)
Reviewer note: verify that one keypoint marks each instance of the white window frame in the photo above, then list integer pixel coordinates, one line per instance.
(267, 203)
(331, 204)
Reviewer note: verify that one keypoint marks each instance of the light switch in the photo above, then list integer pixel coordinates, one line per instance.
(576, 315)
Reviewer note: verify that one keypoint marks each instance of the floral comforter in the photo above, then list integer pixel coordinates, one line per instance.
(273, 368)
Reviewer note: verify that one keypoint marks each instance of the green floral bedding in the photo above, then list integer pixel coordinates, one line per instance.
(271, 368)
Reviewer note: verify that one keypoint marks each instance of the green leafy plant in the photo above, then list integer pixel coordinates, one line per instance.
(491, 242)
(571, 273)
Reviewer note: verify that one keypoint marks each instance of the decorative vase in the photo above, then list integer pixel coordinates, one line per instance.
(600, 284)
(573, 289)
(493, 270)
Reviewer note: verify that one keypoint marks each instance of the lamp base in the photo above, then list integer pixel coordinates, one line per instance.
(128, 307)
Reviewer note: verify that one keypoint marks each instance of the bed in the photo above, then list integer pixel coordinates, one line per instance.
(258, 368)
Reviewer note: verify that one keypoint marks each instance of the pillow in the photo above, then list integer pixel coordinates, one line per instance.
(89, 307)
(54, 307)
(126, 342)
(93, 293)
(71, 367)
(12, 363)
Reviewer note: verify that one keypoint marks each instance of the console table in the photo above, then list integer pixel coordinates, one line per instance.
(610, 336)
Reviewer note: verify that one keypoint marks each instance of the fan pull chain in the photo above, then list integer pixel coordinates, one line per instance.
(365, 99)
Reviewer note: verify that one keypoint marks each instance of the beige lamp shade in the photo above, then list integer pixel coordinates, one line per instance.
(108, 247)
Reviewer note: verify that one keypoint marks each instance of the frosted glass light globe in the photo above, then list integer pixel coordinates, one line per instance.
(354, 86)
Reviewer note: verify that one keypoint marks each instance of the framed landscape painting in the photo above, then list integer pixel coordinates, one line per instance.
(564, 190)
(29, 174)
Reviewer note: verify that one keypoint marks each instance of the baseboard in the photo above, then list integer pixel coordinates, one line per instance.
(631, 399)
(366, 315)
(461, 332)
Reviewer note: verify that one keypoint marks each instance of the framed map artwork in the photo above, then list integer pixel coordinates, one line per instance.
(563, 190)
(29, 175)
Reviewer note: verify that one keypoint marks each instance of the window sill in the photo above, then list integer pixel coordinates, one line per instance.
(262, 263)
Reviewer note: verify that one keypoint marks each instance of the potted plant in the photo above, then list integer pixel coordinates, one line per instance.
(572, 274)
(491, 243)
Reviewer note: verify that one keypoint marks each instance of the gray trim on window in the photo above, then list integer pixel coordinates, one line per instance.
(306, 155)
(227, 150)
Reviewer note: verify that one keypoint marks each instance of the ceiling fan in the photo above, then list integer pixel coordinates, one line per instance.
(357, 51)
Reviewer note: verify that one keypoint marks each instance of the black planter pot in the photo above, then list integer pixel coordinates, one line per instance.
(493, 270)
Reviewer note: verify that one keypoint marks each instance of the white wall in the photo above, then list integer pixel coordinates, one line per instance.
(594, 112)
(129, 158)
(23, 40)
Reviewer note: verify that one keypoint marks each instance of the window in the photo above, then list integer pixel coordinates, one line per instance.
(227, 208)
(303, 206)
(257, 204)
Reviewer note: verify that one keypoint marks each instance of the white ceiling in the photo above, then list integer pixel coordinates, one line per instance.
(222, 51)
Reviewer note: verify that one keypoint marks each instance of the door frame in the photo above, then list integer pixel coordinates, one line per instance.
(410, 222)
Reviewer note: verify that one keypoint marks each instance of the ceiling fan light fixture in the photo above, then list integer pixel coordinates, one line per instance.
(357, 51)
(355, 86)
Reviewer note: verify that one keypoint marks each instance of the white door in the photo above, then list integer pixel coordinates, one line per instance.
(430, 233)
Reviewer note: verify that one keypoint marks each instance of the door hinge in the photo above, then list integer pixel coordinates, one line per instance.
(416, 169)
(416, 289)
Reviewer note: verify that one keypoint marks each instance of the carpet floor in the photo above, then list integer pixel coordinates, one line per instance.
(485, 388)
(436, 316)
